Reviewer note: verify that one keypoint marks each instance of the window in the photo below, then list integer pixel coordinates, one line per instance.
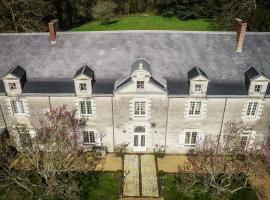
(88, 137)
(83, 87)
(195, 108)
(252, 109)
(140, 84)
(139, 108)
(86, 107)
(12, 86)
(244, 140)
(17, 107)
(258, 88)
(198, 88)
(191, 138)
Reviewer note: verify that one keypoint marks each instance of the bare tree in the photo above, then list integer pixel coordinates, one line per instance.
(56, 154)
(227, 168)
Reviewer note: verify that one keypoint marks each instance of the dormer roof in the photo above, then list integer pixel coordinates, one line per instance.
(195, 72)
(85, 70)
(17, 71)
(253, 73)
(141, 63)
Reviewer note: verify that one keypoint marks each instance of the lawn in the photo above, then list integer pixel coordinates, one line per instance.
(101, 185)
(149, 22)
(170, 191)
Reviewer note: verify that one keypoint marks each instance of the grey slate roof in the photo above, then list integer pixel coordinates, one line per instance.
(171, 53)
(194, 72)
(17, 71)
(86, 71)
(253, 73)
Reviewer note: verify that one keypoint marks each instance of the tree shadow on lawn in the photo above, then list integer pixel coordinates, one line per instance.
(109, 23)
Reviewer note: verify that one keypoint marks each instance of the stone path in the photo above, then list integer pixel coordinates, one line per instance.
(140, 176)
(149, 176)
(131, 176)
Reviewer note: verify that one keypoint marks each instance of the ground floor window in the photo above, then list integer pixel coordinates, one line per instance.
(244, 140)
(89, 137)
(191, 138)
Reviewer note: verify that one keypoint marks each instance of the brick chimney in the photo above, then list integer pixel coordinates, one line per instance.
(241, 28)
(52, 29)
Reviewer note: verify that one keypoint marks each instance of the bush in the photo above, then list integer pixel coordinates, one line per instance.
(121, 149)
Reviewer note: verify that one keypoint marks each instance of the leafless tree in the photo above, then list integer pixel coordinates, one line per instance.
(226, 168)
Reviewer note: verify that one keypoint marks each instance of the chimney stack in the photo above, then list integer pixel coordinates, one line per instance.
(52, 29)
(241, 28)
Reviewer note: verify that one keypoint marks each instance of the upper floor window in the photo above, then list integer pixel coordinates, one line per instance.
(83, 87)
(88, 137)
(198, 88)
(140, 84)
(191, 138)
(252, 109)
(12, 86)
(139, 108)
(195, 108)
(258, 88)
(86, 107)
(17, 107)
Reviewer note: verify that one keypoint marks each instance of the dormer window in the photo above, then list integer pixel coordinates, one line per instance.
(140, 84)
(258, 88)
(198, 88)
(12, 86)
(83, 87)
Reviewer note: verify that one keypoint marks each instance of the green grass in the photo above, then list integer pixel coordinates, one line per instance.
(100, 186)
(149, 22)
(171, 192)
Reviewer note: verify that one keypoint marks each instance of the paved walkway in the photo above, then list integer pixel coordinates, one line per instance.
(131, 176)
(149, 176)
(140, 176)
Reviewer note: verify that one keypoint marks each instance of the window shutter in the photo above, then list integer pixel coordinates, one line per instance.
(182, 136)
(251, 141)
(98, 138)
(200, 138)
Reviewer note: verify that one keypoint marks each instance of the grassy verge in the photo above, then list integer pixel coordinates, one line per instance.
(149, 22)
(171, 192)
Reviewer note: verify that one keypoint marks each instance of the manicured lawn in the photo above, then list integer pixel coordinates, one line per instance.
(101, 186)
(149, 22)
(170, 191)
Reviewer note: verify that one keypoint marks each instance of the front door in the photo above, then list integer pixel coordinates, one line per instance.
(139, 139)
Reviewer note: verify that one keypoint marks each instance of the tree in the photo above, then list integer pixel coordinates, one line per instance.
(227, 168)
(22, 16)
(104, 11)
(56, 154)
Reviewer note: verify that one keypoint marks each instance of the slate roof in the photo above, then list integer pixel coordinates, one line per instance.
(17, 71)
(85, 70)
(253, 73)
(171, 54)
(196, 71)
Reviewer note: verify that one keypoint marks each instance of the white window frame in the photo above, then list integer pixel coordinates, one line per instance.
(87, 113)
(192, 110)
(18, 107)
(12, 87)
(89, 134)
(140, 108)
(252, 110)
(191, 134)
(196, 86)
(84, 86)
(248, 135)
(258, 88)
(141, 85)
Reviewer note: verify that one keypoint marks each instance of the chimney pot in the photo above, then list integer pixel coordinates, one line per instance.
(241, 28)
(52, 29)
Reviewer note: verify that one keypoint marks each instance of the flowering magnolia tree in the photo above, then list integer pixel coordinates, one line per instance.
(224, 169)
(55, 153)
